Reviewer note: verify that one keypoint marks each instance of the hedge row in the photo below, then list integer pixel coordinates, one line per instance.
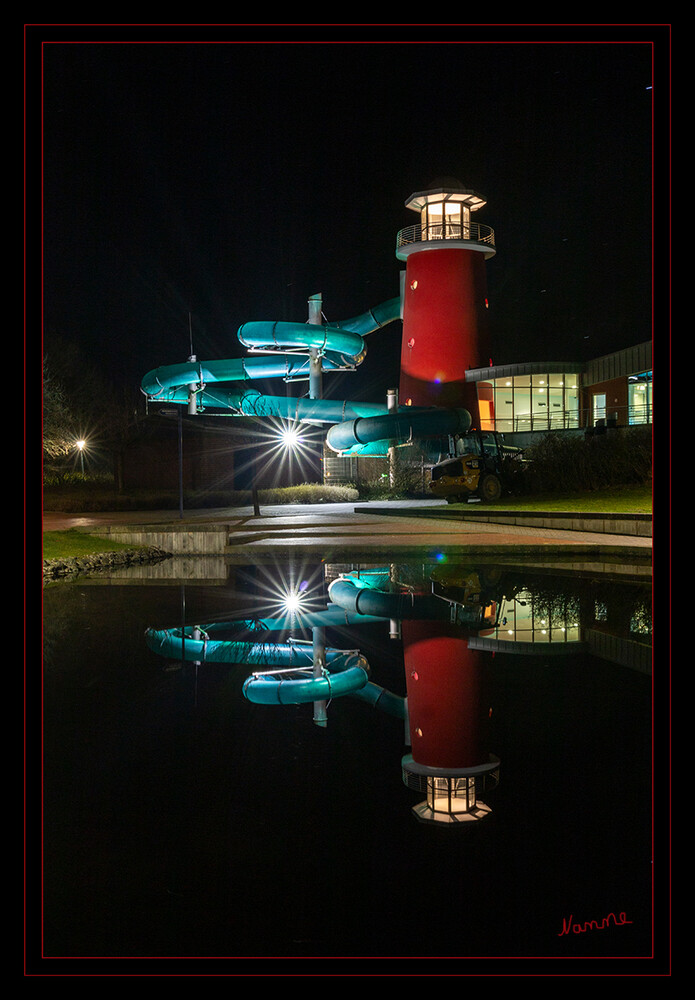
(592, 462)
(85, 501)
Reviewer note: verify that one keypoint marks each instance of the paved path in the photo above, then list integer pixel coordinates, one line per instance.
(56, 521)
(314, 527)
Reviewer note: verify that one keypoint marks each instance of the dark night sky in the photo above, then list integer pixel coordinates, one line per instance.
(231, 180)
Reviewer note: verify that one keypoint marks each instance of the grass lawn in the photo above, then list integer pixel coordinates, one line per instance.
(618, 500)
(72, 544)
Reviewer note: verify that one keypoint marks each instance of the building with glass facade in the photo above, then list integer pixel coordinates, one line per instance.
(538, 397)
(529, 400)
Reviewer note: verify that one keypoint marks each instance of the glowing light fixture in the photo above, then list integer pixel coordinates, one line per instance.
(292, 603)
(290, 436)
(81, 445)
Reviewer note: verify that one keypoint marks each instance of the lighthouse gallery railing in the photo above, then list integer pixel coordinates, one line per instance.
(470, 232)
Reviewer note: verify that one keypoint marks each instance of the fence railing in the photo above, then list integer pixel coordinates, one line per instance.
(620, 416)
(470, 232)
(564, 420)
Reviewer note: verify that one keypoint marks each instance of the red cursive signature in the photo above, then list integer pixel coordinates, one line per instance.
(610, 920)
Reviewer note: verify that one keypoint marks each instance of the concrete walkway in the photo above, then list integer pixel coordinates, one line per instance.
(375, 528)
(57, 521)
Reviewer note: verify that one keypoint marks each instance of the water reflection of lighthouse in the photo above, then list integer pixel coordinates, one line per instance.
(448, 719)
(447, 707)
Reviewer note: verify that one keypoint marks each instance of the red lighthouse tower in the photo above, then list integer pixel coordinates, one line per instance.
(444, 299)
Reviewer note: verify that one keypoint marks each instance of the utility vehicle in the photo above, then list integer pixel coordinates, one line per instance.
(480, 466)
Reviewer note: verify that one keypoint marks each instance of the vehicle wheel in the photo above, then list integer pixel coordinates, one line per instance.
(490, 488)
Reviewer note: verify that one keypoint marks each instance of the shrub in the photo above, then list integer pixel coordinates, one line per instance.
(71, 497)
(561, 462)
(57, 479)
(408, 479)
(308, 493)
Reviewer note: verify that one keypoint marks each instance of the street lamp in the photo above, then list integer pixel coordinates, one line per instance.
(290, 437)
(292, 443)
(80, 445)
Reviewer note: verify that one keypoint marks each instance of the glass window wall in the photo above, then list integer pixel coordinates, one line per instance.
(640, 398)
(446, 220)
(599, 407)
(532, 402)
(526, 618)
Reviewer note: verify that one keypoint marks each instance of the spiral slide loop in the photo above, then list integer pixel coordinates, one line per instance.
(281, 350)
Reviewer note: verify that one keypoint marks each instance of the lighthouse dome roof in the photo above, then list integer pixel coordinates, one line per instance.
(448, 189)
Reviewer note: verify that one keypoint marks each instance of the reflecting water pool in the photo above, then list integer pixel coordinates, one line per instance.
(427, 759)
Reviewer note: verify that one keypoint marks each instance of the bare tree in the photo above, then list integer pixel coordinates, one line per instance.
(80, 403)
(58, 419)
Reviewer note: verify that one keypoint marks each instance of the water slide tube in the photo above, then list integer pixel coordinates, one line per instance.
(199, 648)
(348, 674)
(283, 351)
(198, 643)
(285, 348)
(352, 679)
(369, 593)
(407, 424)
(278, 689)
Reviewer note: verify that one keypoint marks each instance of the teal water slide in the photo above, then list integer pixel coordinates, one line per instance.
(370, 594)
(285, 350)
(286, 673)
(285, 670)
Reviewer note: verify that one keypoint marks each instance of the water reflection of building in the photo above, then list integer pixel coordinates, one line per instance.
(584, 616)
(522, 622)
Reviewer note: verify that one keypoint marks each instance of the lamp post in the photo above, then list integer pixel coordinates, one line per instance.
(179, 419)
(80, 445)
(291, 440)
(288, 440)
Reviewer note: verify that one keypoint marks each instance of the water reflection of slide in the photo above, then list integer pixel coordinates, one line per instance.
(287, 671)
(445, 708)
(455, 596)
(283, 350)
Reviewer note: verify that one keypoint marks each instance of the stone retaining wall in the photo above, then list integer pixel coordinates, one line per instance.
(55, 569)
(177, 539)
